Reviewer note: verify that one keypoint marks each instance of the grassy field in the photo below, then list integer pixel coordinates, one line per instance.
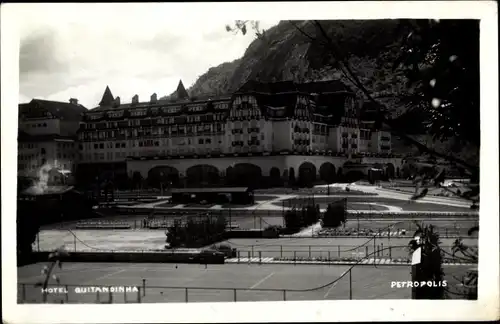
(404, 204)
(258, 199)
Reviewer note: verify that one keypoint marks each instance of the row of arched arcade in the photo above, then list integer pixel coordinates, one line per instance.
(248, 174)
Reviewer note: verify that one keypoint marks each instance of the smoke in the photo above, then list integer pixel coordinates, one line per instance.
(40, 185)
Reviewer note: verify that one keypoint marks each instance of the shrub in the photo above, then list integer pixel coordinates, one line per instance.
(204, 231)
(335, 215)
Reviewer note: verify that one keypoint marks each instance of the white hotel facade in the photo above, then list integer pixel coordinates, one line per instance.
(271, 129)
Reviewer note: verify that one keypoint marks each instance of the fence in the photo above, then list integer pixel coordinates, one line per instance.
(327, 252)
(142, 293)
(265, 253)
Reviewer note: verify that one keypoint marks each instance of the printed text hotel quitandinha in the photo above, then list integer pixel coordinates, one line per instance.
(90, 289)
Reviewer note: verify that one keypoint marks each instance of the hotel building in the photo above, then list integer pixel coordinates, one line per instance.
(266, 129)
(48, 135)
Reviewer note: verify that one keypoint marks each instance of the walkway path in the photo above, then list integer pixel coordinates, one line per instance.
(274, 204)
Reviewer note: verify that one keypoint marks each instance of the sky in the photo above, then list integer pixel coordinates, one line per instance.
(76, 51)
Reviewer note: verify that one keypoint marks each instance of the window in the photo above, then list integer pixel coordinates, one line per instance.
(96, 146)
(123, 145)
(101, 146)
(117, 145)
(208, 141)
(42, 150)
(200, 141)
(44, 124)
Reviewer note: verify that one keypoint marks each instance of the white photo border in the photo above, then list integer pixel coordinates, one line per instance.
(485, 308)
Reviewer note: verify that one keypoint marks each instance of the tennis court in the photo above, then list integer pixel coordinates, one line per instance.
(220, 283)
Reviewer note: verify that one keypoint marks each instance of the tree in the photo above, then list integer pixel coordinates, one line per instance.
(335, 215)
(292, 221)
(312, 215)
(468, 254)
(431, 263)
(55, 259)
(27, 231)
(430, 53)
(441, 59)
(275, 176)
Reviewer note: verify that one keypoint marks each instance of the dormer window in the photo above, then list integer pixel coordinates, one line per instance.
(138, 113)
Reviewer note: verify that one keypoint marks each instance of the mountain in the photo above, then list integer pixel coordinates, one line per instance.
(285, 52)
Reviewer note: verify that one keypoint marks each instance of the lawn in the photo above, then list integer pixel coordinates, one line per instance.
(404, 204)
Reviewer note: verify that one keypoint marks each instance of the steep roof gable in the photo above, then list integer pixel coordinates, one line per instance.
(181, 91)
(107, 98)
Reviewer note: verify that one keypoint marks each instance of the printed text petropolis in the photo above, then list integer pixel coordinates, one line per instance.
(411, 284)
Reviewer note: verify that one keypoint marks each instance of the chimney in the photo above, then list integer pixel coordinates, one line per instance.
(73, 101)
(135, 99)
(117, 102)
(153, 97)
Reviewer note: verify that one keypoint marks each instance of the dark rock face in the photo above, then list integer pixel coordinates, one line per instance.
(284, 53)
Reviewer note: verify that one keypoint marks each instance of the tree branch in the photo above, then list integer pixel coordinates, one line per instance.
(312, 39)
(390, 123)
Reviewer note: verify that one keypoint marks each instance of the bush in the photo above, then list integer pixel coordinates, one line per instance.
(335, 215)
(204, 231)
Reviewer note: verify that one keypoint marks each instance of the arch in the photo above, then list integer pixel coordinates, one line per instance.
(390, 170)
(275, 176)
(291, 176)
(285, 175)
(327, 172)
(163, 176)
(307, 174)
(229, 177)
(202, 175)
(136, 180)
(246, 174)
